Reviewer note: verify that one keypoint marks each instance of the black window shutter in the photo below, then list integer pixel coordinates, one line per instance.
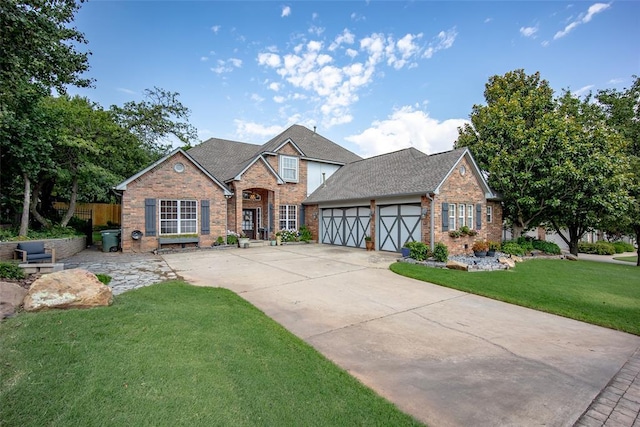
(445, 216)
(478, 216)
(271, 218)
(302, 219)
(150, 217)
(205, 227)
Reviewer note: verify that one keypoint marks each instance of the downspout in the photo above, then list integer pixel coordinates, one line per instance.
(432, 220)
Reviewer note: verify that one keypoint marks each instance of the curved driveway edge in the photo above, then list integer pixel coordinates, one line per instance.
(447, 357)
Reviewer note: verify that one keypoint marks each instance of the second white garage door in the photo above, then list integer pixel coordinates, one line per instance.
(398, 224)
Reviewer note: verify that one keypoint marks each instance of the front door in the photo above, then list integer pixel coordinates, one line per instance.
(249, 222)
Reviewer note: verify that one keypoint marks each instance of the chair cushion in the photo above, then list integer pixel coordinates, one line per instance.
(34, 257)
(32, 247)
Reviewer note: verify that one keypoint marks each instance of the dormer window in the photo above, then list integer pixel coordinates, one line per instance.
(289, 168)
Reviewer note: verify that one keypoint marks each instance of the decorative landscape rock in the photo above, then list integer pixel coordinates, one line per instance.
(455, 265)
(67, 289)
(509, 262)
(516, 258)
(570, 257)
(11, 296)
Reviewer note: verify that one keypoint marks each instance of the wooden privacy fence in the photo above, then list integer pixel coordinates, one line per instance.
(101, 212)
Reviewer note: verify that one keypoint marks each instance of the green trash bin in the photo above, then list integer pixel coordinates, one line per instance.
(110, 240)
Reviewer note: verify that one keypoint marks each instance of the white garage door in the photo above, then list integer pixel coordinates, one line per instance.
(345, 226)
(398, 224)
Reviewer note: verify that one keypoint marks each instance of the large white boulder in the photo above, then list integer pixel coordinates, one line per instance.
(73, 288)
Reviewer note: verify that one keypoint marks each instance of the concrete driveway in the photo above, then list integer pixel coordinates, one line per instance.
(446, 357)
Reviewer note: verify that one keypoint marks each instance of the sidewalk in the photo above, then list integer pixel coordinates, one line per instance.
(608, 258)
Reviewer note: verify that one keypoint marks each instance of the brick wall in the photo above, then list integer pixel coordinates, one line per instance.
(162, 182)
(64, 247)
(458, 189)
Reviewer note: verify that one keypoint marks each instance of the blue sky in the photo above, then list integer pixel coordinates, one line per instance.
(373, 76)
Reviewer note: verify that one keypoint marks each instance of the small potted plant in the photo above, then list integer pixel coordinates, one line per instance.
(406, 249)
(369, 243)
(243, 240)
(272, 240)
(493, 247)
(279, 238)
(480, 248)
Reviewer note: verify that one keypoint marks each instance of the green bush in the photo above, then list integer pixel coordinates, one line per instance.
(621, 247)
(526, 243)
(305, 234)
(598, 248)
(440, 252)
(512, 248)
(417, 250)
(232, 240)
(289, 235)
(104, 278)
(9, 270)
(546, 247)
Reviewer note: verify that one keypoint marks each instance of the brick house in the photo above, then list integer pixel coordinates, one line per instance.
(300, 177)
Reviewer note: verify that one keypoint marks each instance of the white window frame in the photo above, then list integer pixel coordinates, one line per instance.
(452, 216)
(287, 170)
(184, 220)
(462, 211)
(288, 218)
(470, 223)
(489, 214)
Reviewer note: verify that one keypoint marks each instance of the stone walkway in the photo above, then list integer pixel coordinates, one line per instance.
(127, 271)
(618, 404)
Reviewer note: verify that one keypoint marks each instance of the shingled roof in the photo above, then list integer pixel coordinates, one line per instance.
(226, 159)
(404, 172)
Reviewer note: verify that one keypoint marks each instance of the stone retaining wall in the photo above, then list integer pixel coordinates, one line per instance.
(64, 247)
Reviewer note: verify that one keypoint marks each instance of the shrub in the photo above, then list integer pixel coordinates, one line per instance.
(440, 252)
(289, 235)
(598, 248)
(621, 247)
(9, 270)
(526, 243)
(494, 246)
(305, 234)
(232, 240)
(104, 278)
(417, 250)
(512, 248)
(480, 246)
(547, 247)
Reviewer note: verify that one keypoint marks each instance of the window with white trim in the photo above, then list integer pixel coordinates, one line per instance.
(489, 214)
(288, 217)
(470, 223)
(452, 217)
(178, 216)
(461, 208)
(289, 168)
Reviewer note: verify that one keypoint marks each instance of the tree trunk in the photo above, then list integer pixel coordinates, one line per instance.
(34, 207)
(517, 231)
(638, 243)
(72, 203)
(24, 221)
(573, 247)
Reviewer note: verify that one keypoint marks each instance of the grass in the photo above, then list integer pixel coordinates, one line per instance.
(594, 292)
(174, 355)
(633, 259)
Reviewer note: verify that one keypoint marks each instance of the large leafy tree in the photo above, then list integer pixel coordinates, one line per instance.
(38, 53)
(623, 114)
(592, 165)
(514, 137)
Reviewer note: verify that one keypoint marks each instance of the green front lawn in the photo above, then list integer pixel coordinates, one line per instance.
(174, 355)
(594, 292)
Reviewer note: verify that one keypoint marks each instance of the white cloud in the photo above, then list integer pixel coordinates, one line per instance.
(529, 31)
(274, 86)
(127, 91)
(346, 37)
(226, 66)
(215, 29)
(247, 130)
(444, 40)
(279, 99)
(316, 30)
(583, 90)
(286, 11)
(486, 21)
(408, 127)
(615, 81)
(583, 18)
(314, 70)
(204, 58)
(256, 98)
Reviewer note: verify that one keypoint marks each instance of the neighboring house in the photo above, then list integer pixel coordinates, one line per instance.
(300, 177)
